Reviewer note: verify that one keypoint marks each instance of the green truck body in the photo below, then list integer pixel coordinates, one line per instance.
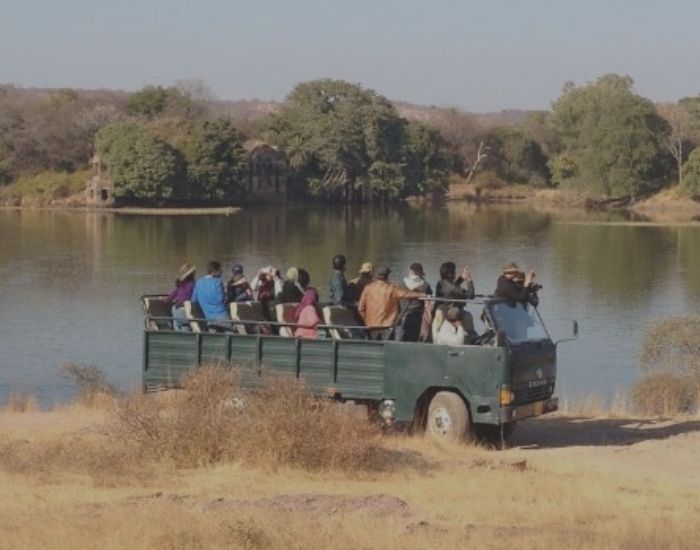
(498, 384)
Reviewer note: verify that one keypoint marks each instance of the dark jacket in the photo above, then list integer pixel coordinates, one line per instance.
(291, 293)
(515, 292)
(356, 286)
(453, 289)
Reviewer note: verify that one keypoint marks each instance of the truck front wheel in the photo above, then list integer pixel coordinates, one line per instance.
(448, 417)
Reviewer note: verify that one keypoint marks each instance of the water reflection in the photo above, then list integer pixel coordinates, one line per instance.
(71, 281)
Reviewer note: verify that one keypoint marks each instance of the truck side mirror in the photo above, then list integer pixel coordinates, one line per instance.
(500, 338)
(575, 328)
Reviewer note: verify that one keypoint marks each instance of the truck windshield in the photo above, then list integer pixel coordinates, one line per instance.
(520, 321)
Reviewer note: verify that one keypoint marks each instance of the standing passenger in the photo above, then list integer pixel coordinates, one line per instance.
(379, 303)
(184, 285)
(358, 284)
(510, 287)
(338, 285)
(450, 286)
(414, 281)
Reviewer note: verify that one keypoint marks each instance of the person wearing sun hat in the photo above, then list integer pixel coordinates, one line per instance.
(510, 287)
(358, 284)
(184, 286)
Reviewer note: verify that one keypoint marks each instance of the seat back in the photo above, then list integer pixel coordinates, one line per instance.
(285, 314)
(193, 311)
(157, 306)
(339, 315)
(247, 311)
(438, 320)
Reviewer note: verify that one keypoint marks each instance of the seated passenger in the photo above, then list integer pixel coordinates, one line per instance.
(451, 333)
(511, 287)
(238, 288)
(379, 303)
(209, 293)
(413, 317)
(357, 285)
(292, 290)
(307, 315)
(450, 286)
(184, 285)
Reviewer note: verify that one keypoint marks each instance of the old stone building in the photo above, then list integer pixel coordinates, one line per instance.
(99, 190)
(268, 172)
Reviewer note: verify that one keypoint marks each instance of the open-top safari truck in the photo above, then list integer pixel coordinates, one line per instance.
(450, 391)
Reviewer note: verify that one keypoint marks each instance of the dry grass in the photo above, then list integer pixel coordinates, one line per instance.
(21, 403)
(114, 479)
(279, 423)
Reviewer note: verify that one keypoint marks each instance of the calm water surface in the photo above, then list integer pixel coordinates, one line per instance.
(71, 281)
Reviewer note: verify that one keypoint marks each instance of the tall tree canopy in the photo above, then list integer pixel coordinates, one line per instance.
(140, 165)
(216, 161)
(611, 138)
(345, 141)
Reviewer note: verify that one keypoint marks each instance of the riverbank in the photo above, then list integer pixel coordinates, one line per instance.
(567, 482)
(141, 211)
(665, 206)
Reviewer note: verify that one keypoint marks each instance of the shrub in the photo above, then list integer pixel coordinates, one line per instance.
(671, 358)
(93, 388)
(50, 185)
(215, 420)
(665, 394)
(691, 174)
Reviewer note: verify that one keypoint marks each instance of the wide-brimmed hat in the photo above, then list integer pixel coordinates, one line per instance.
(366, 268)
(511, 267)
(185, 271)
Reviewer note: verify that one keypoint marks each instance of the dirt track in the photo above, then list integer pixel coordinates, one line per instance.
(641, 448)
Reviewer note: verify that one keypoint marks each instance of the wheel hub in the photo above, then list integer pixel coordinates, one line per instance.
(441, 422)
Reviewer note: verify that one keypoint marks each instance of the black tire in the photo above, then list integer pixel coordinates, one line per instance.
(491, 435)
(448, 417)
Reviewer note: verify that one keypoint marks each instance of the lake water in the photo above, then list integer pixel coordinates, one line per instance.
(71, 281)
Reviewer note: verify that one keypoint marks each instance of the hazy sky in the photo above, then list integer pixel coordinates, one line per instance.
(478, 55)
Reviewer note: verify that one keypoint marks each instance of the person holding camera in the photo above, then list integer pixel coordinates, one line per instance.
(516, 286)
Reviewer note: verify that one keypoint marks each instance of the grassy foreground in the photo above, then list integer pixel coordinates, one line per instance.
(81, 477)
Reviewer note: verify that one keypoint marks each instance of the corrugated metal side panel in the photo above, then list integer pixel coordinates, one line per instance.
(169, 355)
(279, 355)
(214, 349)
(360, 371)
(316, 364)
(244, 349)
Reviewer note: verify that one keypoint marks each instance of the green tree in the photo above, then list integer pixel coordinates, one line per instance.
(140, 165)
(516, 158)
(613, 137)
(345, 141)
(148, 101)
(427, 160)
(216, 161)
(691, 169)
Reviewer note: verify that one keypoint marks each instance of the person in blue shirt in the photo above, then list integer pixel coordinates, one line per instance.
(210, 294)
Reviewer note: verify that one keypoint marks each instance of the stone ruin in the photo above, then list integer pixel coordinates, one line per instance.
(99, 190)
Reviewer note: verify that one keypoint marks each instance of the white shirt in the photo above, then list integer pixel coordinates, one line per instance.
(450, 335)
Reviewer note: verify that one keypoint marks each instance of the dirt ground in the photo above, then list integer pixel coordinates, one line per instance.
(566, 482)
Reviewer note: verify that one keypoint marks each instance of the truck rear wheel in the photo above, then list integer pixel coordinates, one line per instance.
(448, 417)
